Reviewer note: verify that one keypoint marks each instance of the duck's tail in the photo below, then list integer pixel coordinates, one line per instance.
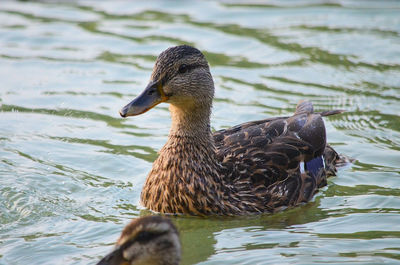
(329, 159)
(324, 166)
(333, 160)
(331, 112)
(305, 106)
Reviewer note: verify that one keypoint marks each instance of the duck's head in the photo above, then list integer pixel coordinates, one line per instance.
(181, 77)
(151, 240)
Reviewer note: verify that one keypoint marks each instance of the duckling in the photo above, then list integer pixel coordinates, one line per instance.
(252, 168)
(150, 240)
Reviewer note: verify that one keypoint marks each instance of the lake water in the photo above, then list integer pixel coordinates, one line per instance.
(71, 170)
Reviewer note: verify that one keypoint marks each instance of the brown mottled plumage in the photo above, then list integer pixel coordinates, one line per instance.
(256, 167)
(150, 240)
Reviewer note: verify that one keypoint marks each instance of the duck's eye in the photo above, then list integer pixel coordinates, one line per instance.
(183, 68)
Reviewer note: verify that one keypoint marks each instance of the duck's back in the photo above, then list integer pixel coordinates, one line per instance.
(284, 153)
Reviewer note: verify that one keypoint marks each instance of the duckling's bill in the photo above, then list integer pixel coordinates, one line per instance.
(150, 97)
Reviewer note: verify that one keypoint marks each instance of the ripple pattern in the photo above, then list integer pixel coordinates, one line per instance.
(71, 170)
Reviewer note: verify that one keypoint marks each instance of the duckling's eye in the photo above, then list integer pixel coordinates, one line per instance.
(145, 236)
(183, 68)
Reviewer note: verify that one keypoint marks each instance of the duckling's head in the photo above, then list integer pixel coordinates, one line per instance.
(181, 76)
(151, 240)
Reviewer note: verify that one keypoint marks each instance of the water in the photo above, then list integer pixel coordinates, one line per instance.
(72, 170)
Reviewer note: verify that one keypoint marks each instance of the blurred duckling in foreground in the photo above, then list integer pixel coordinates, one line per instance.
(150, 240)
(252, 168)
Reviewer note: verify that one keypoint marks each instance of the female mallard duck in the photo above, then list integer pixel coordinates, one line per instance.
(256, 167)
(146, 240)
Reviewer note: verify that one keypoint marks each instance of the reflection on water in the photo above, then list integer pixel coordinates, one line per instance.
(72, 170)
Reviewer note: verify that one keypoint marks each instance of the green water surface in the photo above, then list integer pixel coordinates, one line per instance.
(71, 170)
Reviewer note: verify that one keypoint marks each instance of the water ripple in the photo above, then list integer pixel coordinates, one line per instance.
(72, 170)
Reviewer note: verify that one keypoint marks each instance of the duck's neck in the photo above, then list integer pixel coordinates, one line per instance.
(185, 178)
(191, 123)
(191, 146)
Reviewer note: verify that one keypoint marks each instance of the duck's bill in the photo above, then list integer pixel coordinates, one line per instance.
(114, 258)
(150, 97)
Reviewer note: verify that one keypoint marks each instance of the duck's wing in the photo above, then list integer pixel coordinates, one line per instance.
(269, 151)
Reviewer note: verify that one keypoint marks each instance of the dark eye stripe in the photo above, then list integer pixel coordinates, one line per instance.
(145, 236)
(184, 68)
(142, 237)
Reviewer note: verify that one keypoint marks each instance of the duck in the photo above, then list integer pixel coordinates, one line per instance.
(150, 240)
(257, 167)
